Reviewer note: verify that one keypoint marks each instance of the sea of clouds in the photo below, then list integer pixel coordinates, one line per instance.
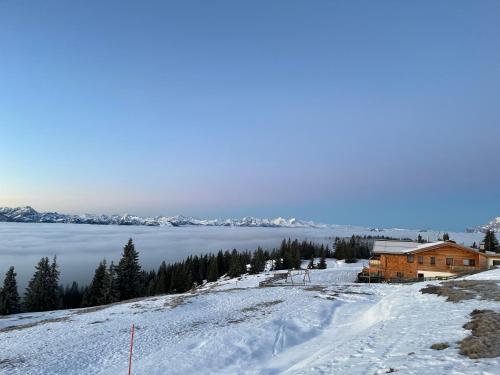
(80, 247)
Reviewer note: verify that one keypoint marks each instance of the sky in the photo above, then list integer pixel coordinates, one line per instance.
(379, 113)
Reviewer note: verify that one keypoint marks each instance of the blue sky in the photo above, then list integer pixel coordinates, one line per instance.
(379, 113)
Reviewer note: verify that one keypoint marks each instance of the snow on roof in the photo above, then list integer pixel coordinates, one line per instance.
(401, 247)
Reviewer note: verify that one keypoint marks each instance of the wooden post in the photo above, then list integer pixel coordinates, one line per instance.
(306, 277)
(131, 349)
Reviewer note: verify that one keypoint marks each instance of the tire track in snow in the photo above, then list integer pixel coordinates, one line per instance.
(279, 341)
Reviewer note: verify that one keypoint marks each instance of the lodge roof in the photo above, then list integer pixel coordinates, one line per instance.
(409, 247)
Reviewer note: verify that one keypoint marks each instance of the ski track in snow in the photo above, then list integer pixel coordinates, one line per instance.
(235, 327)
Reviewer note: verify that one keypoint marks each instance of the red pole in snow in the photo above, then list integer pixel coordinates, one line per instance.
(131, 348)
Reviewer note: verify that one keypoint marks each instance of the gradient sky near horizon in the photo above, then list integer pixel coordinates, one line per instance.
(379, 113)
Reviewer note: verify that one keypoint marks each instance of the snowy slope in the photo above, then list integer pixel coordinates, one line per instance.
(235, 327)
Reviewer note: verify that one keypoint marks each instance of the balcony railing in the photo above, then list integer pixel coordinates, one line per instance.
(463, 268)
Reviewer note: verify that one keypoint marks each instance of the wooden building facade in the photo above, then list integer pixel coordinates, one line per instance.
(403, 260)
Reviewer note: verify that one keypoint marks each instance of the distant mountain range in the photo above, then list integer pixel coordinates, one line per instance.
(30, 215)
(493, 225)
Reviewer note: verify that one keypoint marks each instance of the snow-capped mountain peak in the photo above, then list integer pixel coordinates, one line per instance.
(30, 215)
(493, 225)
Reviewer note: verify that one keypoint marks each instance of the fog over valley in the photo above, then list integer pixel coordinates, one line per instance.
(80, 247)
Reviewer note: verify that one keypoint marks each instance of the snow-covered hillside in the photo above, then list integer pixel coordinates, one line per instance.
(332, 326)
(30, 215)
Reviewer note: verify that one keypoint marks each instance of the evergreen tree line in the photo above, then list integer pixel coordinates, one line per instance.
(490, 242)
(354, 248)
(126, 280)
(291, 253)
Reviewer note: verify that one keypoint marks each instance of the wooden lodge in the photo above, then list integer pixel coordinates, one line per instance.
(400, 261)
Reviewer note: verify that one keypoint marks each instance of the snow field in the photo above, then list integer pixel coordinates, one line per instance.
(234, 327)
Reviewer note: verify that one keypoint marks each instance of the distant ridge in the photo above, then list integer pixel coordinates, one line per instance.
(30, 215)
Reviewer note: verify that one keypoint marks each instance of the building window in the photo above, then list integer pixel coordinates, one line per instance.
(433, 260)
(409, 258)
(469, 262)
(449, 261)
(399, 275)
(420, 259)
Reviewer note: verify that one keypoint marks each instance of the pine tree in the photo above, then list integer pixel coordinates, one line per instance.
(258, 262)
(490, 242)
(42, 293)
(203, 270)
(129, 273)
(227, 263)
(446, 237)
(9, 297)
(99, 291)
(221, 263)
(213, 270)
(235, 266)
(114, 291)
(162, 280)
(187, 269)
(311, 263)
(54, 293)
(322, 261)
(196, 271)
(328, 252)
(278, 264)
(72, 297)
(148, 283)
(177, 281)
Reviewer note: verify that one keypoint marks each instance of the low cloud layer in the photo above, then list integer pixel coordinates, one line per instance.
(79, 248)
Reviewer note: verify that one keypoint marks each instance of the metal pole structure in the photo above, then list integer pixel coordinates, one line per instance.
(131, 348)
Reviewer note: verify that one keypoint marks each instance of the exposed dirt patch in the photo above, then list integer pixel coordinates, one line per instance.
(34, 324)
(88, 310)
(92, 309)
(261, 305)
(329, 297)
(236, 321)
(440, 346)
(485, 339)
(353, 292)
(25, 317)
(231, 290)
(99, 321)
(460, 290)
(175, 302)
(315, 288)
(6, 363)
